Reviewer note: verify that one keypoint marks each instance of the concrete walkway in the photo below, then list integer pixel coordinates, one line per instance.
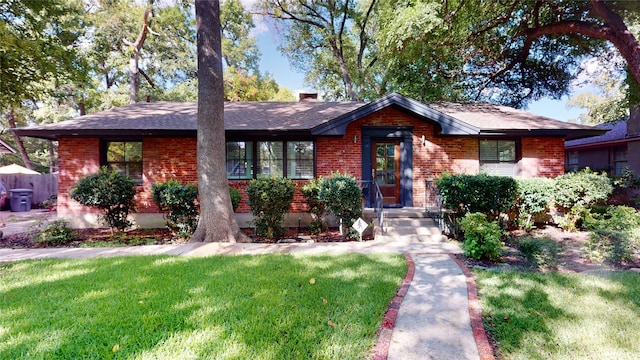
(428, 319)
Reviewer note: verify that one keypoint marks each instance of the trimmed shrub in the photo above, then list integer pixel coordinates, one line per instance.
(57, 232)
(490, 195)
(482, 238)
(576, 192)
(342, 196)
(533, 200)
(179, 203)
(236, 197)
(542, 252)
(110, 192)
(270, 199)
(311, 191)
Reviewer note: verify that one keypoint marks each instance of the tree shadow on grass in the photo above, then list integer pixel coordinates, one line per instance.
(263, 307)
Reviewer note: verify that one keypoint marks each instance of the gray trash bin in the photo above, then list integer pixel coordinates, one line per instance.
(20, 199)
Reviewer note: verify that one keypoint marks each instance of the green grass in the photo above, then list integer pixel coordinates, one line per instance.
(260, 307)
(562, 316)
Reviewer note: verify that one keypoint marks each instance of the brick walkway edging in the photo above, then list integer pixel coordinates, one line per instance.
(381, 348)
(475, 313)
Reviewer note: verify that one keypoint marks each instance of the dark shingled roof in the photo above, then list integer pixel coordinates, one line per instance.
(616, 131)
(312, 118)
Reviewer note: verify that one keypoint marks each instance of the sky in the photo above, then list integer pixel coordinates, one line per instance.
(273, 62)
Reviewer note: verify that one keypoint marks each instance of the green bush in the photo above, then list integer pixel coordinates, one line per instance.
(236, 197)
(542, 252)
(609, 246)
(270, 199)
(490, 195)
(533, 200)
(179, 202)
(342, 196)
(311, 191)
(576, 192)
(110, 192)
(57, 232)
(482, 238)
(615, 233)
(584, 188)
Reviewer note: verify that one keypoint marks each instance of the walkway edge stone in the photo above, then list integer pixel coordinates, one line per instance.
(475, 313)
(381, 348)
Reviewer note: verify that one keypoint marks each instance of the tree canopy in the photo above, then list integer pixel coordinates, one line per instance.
(510, 52)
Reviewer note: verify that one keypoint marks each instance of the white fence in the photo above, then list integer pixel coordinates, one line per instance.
(43, 185)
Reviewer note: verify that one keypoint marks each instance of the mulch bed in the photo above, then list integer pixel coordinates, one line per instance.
(161, 236)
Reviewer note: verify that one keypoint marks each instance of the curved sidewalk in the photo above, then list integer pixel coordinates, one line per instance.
(434, 315)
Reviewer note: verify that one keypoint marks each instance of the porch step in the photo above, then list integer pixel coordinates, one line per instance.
(410, 225)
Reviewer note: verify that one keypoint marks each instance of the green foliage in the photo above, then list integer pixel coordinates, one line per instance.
(584, 188)
(110, 192)
(542, 252)
(342, 196)
(236, 197)
(179, 201)
(615, 233)
(57, 232)
(574, 193)
(533, 200)
(482, 238)
(270, 199)
(311, 191)
(490, 195)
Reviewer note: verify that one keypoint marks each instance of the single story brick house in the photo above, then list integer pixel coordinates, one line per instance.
(395, 140)
(613, 152)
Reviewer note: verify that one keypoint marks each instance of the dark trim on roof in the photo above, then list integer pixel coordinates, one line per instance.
(447, 124)
(93, 133)
(564, 133)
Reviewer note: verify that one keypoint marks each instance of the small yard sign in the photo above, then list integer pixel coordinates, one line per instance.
(360, 226)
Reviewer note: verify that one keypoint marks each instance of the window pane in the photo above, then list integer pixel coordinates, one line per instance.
(300, 159)
(126, 158)
(496, 151)
(239, 159)
(507, 151)
(115, 151)
(488, 150)
(620, 154)
(270, 161)
(133, 151)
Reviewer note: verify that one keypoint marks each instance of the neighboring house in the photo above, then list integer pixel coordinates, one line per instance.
(395, 140)
(612, 152)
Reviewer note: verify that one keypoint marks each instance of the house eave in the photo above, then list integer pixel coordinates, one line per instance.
(567, 134)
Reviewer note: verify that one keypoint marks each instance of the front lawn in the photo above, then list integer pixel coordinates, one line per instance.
(562, 316)
(245, 307)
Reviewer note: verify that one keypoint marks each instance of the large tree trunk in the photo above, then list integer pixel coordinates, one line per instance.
(217, 220)
(11, 116)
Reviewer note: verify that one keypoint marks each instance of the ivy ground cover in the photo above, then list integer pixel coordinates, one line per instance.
(245, 307)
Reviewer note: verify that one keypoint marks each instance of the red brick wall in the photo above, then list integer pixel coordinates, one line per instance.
(542, 157)
(175, 158)
(76, 158)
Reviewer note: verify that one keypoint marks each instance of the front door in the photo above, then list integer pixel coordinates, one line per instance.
(386, 169)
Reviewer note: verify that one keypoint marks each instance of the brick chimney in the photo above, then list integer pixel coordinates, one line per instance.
(306, 97)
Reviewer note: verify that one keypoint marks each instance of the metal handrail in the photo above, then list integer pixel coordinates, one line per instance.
(433, 203)
(377, 202)
(378, 208)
